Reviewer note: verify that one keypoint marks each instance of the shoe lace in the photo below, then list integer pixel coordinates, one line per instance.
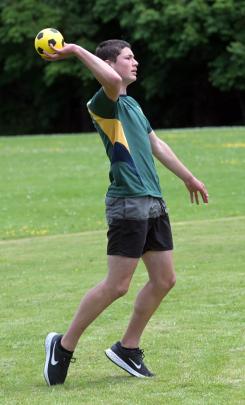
(68, 360)
(139, 354)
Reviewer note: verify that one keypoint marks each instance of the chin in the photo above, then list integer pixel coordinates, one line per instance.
(133, 79)
(130, 80)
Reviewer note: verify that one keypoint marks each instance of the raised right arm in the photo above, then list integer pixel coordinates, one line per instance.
(102, 71)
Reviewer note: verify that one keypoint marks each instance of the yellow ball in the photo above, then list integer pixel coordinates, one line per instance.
(46, 37)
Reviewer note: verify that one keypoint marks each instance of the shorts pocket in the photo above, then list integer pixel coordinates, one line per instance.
(114, 208)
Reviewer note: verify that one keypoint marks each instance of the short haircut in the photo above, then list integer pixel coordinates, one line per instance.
(111, 48)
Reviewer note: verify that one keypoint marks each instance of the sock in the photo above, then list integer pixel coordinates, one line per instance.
(128, 348)
(62, 348)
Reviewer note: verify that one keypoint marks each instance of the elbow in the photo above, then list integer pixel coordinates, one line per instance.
(116, 81)
(113, 87)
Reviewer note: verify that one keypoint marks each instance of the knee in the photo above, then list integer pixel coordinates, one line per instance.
(120, 290)
(172, 281)
(116, 291)
(167, 283)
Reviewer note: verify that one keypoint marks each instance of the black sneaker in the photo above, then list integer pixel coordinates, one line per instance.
(57, 361)
(130, 360)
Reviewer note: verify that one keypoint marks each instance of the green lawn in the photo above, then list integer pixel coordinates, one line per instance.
(53, 249)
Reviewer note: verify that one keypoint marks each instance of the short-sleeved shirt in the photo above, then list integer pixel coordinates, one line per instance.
(124, 130)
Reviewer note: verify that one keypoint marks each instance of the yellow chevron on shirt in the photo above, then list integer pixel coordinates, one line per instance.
(112, 127)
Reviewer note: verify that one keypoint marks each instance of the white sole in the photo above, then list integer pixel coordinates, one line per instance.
(119, 362)
(48, 341)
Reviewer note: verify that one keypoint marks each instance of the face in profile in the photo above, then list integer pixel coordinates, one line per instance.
(126, 66)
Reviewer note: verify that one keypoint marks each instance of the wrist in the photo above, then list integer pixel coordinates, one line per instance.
(188, 178)
(75, 49)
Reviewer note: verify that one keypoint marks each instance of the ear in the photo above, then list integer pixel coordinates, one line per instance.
(109, 62)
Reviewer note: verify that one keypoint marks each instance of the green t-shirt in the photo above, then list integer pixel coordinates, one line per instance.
(124, 130)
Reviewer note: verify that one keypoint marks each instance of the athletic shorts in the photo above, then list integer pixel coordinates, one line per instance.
(137, 225)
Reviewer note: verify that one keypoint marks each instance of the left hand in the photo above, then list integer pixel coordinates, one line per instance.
(195, 186)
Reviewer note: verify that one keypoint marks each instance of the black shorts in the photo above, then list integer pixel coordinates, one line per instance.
(132, 238)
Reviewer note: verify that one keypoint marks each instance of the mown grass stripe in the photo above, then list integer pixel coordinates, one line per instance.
(103, 231)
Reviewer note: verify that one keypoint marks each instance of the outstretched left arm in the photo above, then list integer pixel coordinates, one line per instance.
(167, 157)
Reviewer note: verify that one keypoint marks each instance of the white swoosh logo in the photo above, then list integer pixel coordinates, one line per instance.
(138, 366)
(53, 361)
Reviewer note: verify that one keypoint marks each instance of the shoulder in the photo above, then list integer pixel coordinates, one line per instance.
(101, 104)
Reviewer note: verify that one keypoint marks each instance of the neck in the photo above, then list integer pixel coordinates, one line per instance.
(123, 90)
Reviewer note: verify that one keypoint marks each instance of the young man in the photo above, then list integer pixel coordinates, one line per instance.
(136, 213)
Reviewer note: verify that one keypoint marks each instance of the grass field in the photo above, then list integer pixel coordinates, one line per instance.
(52, 250)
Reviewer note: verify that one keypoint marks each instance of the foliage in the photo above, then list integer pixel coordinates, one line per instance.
(187, 48)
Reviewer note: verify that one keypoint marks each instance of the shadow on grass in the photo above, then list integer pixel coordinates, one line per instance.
(88, 383)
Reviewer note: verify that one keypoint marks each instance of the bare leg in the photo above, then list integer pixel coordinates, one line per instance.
(115, 285)
(161, 279)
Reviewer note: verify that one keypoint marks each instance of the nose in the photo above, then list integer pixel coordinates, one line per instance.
(135, 63)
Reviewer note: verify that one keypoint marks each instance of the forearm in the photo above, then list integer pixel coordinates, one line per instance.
(168, 158)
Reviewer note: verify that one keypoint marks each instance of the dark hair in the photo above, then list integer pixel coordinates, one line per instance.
(111, 48)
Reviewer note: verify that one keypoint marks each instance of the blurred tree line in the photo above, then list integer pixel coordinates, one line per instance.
(191, 54)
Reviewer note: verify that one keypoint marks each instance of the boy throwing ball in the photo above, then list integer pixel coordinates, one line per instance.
(138, 222)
